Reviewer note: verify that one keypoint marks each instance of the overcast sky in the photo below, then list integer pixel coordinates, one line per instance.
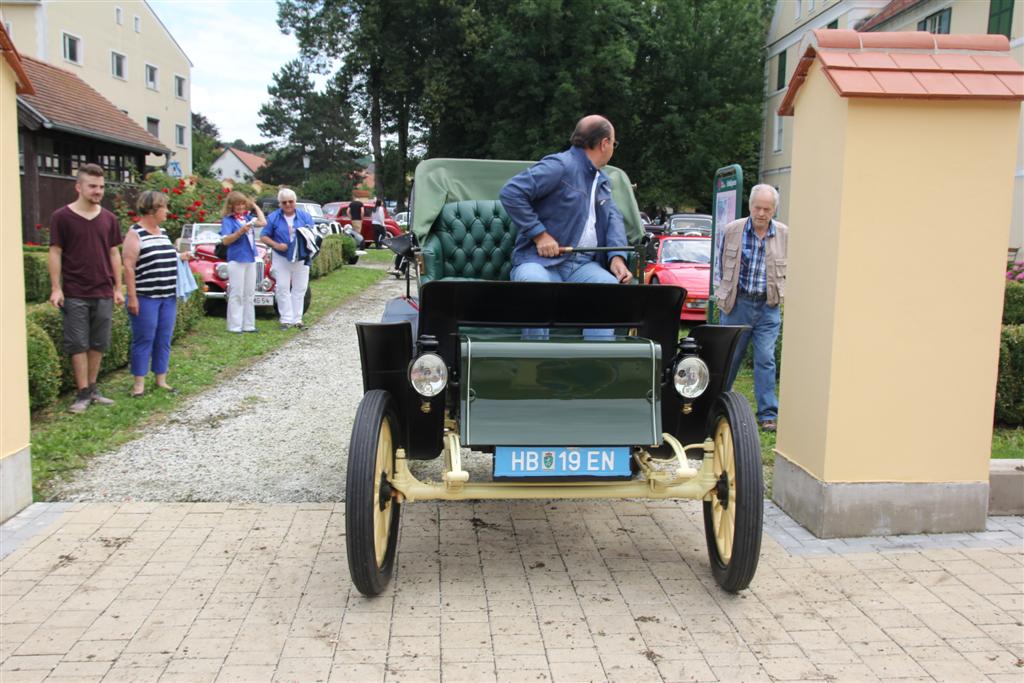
(235, 47)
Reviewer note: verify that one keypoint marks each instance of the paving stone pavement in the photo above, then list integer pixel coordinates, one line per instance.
(497, 591)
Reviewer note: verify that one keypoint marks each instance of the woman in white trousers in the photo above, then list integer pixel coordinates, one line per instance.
(241, 217)
(289, 270)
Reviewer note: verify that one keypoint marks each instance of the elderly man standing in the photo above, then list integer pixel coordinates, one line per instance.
(752, 268)
(289, 270)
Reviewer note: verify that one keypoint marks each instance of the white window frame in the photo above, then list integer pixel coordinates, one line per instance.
(810, 6)
(157, 133)
(156, 76)
(124, 63)
(64, 35)
(798, 9)
(180, 130)
(184, 87)
(137, 23)
(119, 16)
(777, 139)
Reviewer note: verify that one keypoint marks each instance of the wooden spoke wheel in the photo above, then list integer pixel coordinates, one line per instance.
(372, 515)
(733, 516)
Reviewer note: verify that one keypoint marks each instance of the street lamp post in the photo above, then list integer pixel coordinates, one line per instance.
(305, 164)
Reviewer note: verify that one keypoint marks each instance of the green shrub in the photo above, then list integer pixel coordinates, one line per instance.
(44, 373)
(1010, 384)
(348, 248)
(51, 320)
(37, 274)
(120, 342)
(1013, 303)
(331, 256)
(190, 311)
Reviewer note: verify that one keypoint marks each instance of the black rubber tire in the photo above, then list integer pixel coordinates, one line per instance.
(654, 281)
(215, 307)
(353, 260)
(370, 577)
(307, 299)
(735, 574)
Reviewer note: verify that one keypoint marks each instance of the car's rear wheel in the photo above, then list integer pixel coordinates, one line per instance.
(372, 514)
(733, 516)
(655, 281)
(307, 300)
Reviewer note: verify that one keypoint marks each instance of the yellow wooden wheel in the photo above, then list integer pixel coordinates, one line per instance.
(382, 510)
(723, 507)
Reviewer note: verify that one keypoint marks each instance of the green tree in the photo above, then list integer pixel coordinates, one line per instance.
(205, 148)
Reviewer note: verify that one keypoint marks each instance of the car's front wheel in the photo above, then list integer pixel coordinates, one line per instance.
(372, 514)
(733, 516)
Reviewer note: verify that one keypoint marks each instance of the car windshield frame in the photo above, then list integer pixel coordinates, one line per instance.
(309, 208)
(686, 252)
(690, 223)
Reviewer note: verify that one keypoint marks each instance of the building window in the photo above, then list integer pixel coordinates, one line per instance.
(833, 24)
(810, 6)
(179, 87)
(936, 23)
(1000, 14)
(72, 48)
(777, 146)
(780, 71)
(118, 67)
(152, 76)
(798, 8)
(119, 15)
(153, 126)
(237, 174)
(179, 135)
(138, 25)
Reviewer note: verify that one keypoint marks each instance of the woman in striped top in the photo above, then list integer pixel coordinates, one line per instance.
(151, 273)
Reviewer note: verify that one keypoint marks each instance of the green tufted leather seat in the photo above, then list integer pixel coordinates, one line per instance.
(470, 240)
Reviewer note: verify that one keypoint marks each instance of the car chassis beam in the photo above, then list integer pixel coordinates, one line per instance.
(657, 483)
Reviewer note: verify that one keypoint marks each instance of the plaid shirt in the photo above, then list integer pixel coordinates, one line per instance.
(753, 278)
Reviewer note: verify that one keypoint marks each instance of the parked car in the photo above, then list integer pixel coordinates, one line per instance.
(326, 225)
(447, 370)
(202, 240)
(366, 224)
(689, 223)
(682, 261)
(403, 220)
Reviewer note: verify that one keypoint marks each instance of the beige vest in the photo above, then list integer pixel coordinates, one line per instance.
(732, 254)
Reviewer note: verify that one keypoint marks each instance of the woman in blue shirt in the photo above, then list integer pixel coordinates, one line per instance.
(237, 233)
(289, 268)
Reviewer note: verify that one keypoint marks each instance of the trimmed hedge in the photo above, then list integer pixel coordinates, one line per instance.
(1010, 384)
(50, 321)
(331, 256)
(349, 246)
(43, 367)
(1013, 303)
(37, 274)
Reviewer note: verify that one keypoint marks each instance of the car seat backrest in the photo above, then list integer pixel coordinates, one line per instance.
(470, 240)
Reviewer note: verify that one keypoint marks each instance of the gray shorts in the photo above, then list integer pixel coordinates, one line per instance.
(87, 325)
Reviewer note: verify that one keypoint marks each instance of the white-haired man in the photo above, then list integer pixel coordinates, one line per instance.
(289, 268)
(752, 267)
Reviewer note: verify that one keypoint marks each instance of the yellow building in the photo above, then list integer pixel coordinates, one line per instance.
(123, 51)
(793, 19)
(15, 458)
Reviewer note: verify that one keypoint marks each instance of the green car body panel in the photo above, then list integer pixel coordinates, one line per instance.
(559, 391)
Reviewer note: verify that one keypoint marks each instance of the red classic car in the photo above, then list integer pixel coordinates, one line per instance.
(202, 240)
(338, 211)
(683, 261)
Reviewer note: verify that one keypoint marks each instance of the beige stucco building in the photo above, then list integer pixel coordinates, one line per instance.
(793, 19)
(15, 460)
(124, 52)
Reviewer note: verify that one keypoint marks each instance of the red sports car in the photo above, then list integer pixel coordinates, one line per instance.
(683, 261)
(338, 211)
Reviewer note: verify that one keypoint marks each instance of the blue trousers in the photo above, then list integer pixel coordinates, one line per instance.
(765, 321)
(579, 267)
(151, 334)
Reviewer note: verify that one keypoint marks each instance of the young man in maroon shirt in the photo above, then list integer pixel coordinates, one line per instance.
(85, 275)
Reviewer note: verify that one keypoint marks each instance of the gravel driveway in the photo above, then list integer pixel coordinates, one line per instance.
(276, 433)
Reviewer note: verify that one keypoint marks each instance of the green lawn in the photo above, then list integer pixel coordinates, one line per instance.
(1008, 443)
(62, 442)
(378, 256)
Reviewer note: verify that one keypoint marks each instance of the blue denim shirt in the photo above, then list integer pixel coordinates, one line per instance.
(553, 196)
(277, 229)
(240, 250)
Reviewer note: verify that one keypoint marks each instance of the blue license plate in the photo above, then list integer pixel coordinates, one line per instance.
(520, 462)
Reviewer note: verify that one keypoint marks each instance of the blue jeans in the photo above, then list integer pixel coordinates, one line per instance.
(579, 267)
(152, 329)
(765, 321)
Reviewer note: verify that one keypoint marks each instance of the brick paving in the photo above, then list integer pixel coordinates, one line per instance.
(517, 591)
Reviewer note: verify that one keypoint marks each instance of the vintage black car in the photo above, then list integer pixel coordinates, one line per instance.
(561, 414)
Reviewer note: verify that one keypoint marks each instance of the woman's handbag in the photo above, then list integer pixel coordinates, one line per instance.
(186, 281)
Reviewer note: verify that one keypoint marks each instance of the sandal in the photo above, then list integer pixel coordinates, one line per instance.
(138, 395)
(169, 390)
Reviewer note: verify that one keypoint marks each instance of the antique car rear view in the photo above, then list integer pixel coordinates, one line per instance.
(513, 372)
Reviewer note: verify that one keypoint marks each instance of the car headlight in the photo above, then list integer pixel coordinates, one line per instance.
(428, 375)
(221, 269)
(690, 377)
(266, 284)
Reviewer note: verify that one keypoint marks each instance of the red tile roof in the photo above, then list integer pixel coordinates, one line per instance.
(252, 161)
(888, 12)
(13, 59)
(911, 64)
(65, 102)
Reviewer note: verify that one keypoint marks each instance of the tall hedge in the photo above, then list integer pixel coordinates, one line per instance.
(1010, 384)
(332, 255)
(37, 274)
(1013, 303)
(43, 367)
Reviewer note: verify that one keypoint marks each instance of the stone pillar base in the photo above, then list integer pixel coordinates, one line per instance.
(836, 510)
(15, 483)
